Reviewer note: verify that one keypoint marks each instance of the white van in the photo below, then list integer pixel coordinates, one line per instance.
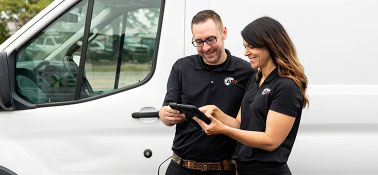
(82, 111)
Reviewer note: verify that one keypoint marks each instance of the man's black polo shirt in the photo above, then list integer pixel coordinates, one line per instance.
(278, 94)
(193, 82)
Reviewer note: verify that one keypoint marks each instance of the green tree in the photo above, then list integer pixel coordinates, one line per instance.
(19, 12)
(4, 31)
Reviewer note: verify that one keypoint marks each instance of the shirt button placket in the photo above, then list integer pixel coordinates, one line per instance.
(212, 78)
(211, 87)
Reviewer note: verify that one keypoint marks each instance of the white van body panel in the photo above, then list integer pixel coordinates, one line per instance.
(336, 42)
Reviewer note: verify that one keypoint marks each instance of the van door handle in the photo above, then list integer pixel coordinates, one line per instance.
(145, 114)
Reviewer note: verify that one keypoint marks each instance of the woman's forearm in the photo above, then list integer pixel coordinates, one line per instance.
(253, 139)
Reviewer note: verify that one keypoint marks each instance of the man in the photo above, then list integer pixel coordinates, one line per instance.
(213, 76)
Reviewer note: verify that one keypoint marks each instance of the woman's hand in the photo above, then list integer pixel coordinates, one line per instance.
(210, 109)
(215, 127)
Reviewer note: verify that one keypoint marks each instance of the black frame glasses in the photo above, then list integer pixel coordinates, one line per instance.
(209, 41)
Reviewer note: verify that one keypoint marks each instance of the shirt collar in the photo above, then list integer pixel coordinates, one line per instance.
(270, 77)
(229, 64)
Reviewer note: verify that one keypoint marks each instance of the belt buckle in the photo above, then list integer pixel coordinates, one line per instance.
(176, 159)
(204, 167)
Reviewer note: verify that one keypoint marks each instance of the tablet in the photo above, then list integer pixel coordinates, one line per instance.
(190, 111)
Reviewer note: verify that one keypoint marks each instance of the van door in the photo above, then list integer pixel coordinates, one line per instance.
(80, 96)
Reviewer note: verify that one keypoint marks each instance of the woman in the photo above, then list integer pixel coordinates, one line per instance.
(269, 117)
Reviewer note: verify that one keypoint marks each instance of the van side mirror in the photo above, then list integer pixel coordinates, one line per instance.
(6, 101)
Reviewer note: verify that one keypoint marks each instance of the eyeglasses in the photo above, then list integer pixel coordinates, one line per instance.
(209, 41)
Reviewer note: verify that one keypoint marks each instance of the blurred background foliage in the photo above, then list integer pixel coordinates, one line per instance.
(17, 13)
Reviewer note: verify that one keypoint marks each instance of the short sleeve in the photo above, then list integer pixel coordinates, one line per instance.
(287, 99)
(173, 86)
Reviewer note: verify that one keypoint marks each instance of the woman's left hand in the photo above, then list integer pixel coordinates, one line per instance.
(215, 127)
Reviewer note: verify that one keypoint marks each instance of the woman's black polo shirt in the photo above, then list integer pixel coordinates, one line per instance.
(278, 94)
(193, 82)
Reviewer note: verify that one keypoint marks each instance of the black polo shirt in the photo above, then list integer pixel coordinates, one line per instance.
(278, 94)
(193, 82)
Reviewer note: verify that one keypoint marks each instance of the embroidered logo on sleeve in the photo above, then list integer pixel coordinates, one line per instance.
(266, 91)
(230, 80)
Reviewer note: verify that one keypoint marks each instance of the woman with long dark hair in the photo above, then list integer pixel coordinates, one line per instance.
(270, 113)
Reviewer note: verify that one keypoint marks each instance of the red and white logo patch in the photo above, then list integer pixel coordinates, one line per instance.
(266, 91)
(230, 80)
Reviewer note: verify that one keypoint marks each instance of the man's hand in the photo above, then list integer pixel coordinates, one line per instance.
(171, 116)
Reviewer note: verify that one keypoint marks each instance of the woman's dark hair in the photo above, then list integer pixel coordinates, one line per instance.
(266, 32)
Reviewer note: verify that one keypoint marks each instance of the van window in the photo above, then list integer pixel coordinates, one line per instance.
(44, 73)
(49, 41)
(117, 56)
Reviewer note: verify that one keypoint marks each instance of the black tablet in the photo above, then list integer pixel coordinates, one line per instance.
(190, 111)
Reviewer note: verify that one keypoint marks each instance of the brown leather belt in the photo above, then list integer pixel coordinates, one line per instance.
(204, 166)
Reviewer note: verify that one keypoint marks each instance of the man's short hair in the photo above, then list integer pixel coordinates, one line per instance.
(204, 15)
